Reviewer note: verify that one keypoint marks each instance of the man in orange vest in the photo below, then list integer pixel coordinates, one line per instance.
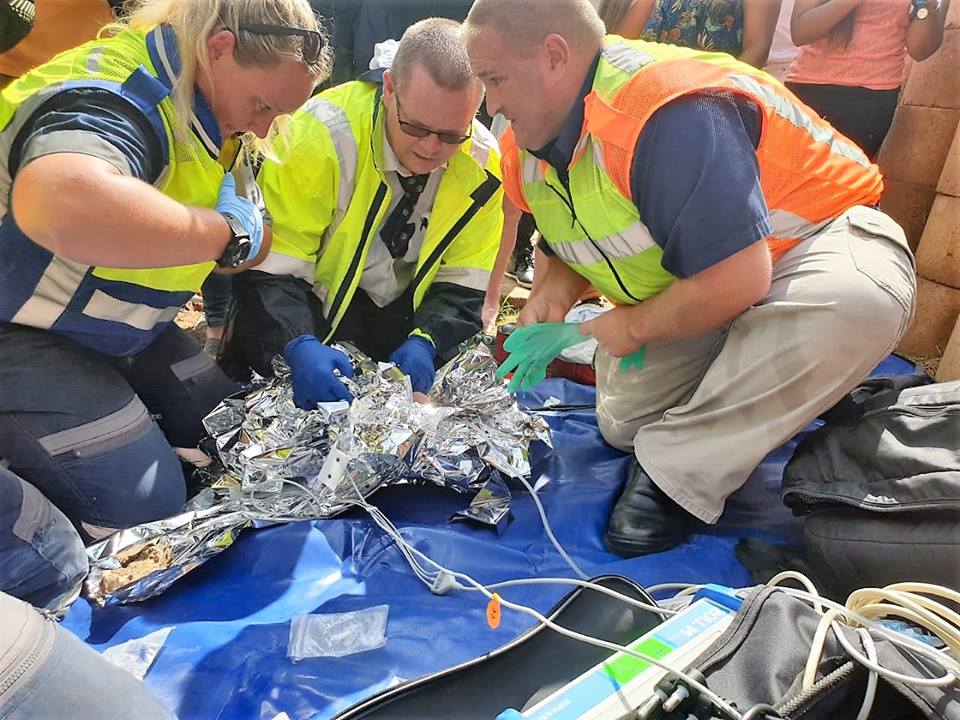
(734, 229)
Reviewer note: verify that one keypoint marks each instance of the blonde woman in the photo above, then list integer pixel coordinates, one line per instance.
(114, 207)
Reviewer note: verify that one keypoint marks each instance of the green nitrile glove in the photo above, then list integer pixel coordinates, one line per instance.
(534, 347)
(635, 361)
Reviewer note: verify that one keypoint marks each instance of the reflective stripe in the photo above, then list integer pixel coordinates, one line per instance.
(482, 143)
(598, 156)
(341, 134)
(87, 142)
(106, 430)
(97, 532)
(34, 514)
(787, 225)
(23, 115)
(191, 367)
(142, 317)
(52, 294)
(623, 57)
(795, 115)
(632, 241)
(580, 146)
(531, 169)
(465, 276)
(93, 61)
(279, 264)
(322, 292)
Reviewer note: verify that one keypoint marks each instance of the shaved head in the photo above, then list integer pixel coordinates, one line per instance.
(523, 24)
(533, 57)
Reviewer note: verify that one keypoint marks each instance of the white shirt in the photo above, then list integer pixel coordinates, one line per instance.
(384, 278)
(782, 49)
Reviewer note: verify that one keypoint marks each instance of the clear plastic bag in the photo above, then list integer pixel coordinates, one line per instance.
(337, 634)
(137, 655)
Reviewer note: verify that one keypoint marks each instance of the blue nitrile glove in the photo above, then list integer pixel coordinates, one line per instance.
(415, 357)
(242, 210)
(312, 364)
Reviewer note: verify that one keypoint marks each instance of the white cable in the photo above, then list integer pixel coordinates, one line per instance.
(800, 578)
(660, 587)
(546, 526)
(404, 547)
(692, 682)
(894, 636)
(940, 658)
(903, 601)
(871, 692)
(703, 689)
(943, 681)
(921, 610)
(581, 583)
(897, 638)
(816, 650)
(925, 612)
(385, 524)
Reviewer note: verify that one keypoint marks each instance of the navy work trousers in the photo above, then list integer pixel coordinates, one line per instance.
(95, 434)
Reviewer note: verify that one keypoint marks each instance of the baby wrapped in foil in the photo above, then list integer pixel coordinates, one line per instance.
(278, 463)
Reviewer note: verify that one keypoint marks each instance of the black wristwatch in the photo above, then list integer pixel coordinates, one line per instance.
(238, 249)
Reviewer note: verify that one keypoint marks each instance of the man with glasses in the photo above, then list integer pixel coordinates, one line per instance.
(386, 204)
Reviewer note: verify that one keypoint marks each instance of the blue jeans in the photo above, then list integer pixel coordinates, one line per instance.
(94, 433)
(46, 672)
(217, 293)
(44, 562)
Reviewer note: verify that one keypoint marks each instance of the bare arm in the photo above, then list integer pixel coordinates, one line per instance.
(556, 288)
(924, 36)
(759, 24)
(635, 20)
(508, 240)
(82, 208)
(690, 306)
(814, 19)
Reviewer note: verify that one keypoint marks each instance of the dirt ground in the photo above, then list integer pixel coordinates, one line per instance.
(191, 319)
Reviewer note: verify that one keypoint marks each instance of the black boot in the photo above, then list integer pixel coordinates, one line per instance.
(645, 520)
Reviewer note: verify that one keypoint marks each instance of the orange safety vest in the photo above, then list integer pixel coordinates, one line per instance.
(809, 172)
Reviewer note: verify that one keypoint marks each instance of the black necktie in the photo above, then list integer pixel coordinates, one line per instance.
(397, 230)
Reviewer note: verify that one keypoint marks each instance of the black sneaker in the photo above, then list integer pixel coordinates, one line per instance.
(523, 265)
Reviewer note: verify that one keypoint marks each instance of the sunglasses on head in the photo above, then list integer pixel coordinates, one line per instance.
(418, 131)
(312, 40)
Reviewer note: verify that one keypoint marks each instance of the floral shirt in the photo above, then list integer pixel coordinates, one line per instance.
(715, 25)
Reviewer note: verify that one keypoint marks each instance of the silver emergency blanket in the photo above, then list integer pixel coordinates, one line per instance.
(278, 463)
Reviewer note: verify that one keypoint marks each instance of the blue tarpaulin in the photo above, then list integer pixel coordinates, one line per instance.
(227, 654)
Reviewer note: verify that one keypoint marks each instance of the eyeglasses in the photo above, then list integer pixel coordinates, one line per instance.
(418, 131)
(312, 40)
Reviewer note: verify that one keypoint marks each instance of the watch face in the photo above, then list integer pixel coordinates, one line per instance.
(238, 249)
(922, 13)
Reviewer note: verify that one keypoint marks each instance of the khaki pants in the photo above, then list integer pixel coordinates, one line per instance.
(47, 672)
(704, 411)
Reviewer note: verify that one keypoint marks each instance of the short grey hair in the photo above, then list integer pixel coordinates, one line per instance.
(523, 24)
(435, 45)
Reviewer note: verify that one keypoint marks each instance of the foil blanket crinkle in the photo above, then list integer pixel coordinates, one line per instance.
(276, 463)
